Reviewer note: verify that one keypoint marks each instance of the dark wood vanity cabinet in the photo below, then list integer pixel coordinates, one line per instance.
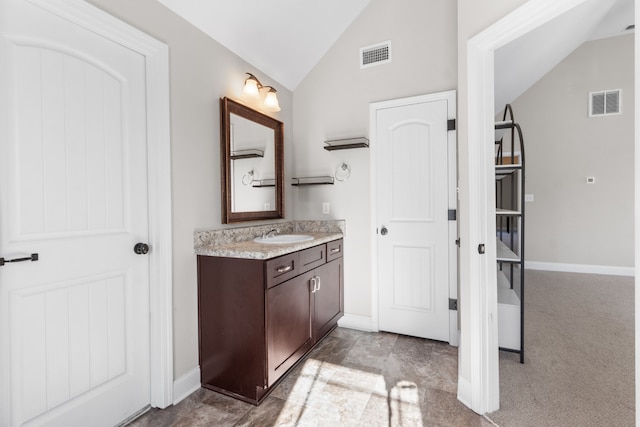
(258, 318)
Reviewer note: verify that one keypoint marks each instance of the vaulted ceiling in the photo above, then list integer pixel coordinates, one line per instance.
(524, 61)
(286, 38)
(282, 38)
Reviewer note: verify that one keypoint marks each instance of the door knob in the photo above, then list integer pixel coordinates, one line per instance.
(141, 248)
(384, 230)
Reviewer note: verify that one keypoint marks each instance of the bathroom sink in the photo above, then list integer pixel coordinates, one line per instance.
(280, 239)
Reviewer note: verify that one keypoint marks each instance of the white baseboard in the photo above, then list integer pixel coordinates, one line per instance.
(464, 392)
(580, 268)
(353, 321)
(186, 384)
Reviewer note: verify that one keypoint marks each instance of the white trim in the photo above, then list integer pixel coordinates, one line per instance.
(186, 384)
(354, 321)
(609, 270)
(454, 329)
(450, 97)
(159, 170)
(636, 39)
(480, 306)
(373, 210)
(452, 184)
(464, 389)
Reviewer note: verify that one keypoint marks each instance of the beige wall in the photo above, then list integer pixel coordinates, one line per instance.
(201, 71)
(333, 102)
(571, 222)
(429, 55)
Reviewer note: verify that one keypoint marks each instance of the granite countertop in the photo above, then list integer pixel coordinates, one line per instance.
(252, 250)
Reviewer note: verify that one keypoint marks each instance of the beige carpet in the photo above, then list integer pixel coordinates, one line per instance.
(579, 354)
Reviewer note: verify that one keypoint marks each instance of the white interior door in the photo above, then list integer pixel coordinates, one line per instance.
(74, 325)
(412, 218)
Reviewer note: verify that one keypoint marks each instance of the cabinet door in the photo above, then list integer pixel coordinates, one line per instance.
(289, 329)
(329, 301)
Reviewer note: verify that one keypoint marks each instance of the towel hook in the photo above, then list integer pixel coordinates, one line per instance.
(343, 172)
(247, 178)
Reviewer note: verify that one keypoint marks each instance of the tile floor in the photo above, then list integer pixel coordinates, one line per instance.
(352, 378)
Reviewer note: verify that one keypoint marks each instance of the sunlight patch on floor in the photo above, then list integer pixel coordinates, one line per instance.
(333, 393)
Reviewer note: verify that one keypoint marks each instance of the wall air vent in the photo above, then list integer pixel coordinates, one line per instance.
(605, 103)
(377, 54)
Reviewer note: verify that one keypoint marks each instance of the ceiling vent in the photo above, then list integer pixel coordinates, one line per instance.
(377, 54)
(605, 103)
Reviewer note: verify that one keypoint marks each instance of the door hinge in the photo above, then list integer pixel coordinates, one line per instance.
(452, 214)
(453, 304)
(451, 124)
(458, 242)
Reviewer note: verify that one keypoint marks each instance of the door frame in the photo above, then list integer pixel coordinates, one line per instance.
(374, 107)
(479, 390)
(156, 55)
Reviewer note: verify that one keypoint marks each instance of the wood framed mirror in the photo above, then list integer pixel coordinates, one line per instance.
(252, 164)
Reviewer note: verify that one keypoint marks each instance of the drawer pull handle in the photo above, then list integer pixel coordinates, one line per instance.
(315, 283)
(335, 250)
(284, 269)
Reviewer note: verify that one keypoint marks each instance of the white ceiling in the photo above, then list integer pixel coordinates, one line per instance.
(526, 60)
(283, 38)
(286, 38)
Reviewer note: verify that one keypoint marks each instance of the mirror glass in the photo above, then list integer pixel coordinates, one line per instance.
(252, 164)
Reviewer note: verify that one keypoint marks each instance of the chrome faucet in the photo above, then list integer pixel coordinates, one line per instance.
(269, 233)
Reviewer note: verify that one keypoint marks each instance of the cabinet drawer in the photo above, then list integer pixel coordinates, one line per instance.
(334, 250)
(312, 257)
(283, 268)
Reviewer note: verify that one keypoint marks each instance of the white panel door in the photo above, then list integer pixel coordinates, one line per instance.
(74, 325)
(412, 212)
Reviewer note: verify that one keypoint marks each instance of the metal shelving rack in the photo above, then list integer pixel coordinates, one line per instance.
(510, 203)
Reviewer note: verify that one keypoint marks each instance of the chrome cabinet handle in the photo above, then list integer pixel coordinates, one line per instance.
(315, 284)
(334, 250)
(284, 269)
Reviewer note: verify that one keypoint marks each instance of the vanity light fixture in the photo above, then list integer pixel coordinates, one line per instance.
(252, 88)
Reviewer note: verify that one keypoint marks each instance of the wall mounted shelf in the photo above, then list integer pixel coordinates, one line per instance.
(246, 154)
(344, 144)
(263, 183)
(312, 180)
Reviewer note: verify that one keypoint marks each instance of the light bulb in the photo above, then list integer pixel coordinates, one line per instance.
(251, 87)
(271, 100)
